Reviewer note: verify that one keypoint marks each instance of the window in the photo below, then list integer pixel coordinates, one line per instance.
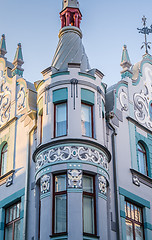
(12, 222)
(3, 163)
(60, 204)
(41, 127)
(142, 159)
(134, 222)
(60, 121)
(89, 211)
(87, 120)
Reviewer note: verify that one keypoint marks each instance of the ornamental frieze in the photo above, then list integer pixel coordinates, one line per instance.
(74, 152)
(5, 100)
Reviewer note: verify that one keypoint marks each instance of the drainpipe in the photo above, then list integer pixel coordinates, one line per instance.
(27, 181)
(116, 191)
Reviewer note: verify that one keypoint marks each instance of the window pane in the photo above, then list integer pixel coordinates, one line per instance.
(7, 215)
(86, 122)
(4, 160)
(88, 184)
(11, 213)
(18, 210)
(14, 212)
(132, 211)
(88, 214)
(61, 122)
(17, 230)
(60, 183)
(139, 232)
(129, 230)
(142, 159)
(8, 232)
(142, 162)
(60, 214)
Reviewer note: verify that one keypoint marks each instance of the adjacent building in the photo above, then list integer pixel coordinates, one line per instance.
(76, 156)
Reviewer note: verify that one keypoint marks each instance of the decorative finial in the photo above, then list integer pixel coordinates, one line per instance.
(125, 63)
(145, 30)
(3, 46)
(18, 61)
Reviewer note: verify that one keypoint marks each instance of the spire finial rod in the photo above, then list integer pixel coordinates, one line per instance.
(145, 30)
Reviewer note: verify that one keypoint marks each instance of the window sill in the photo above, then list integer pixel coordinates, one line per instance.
(89, 137)
(4, 177)
(142, 178)
(87, 236)
(61, 236)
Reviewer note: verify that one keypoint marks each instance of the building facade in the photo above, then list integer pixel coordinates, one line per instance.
(76, 156)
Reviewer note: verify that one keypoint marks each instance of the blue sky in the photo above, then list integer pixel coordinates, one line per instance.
(106, 26)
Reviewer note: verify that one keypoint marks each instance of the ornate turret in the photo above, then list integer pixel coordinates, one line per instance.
(70, 48)
(18, 62)
(3, 46)
(125, 63)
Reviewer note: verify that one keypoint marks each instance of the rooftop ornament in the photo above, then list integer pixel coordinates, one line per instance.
(145, 30)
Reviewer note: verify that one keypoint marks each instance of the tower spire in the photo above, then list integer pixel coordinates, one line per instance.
(18, 62)
(125, 63)
(3, 46)
(70, 14)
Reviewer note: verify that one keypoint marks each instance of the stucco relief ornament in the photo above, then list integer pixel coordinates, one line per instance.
(65, 153)
(102, 185)
(123, 99)
(75, 178)
(5, 100)
(135, 180)
(45, 184)
(21, 98)
(143, 101)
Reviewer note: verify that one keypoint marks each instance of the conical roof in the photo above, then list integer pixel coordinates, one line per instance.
(70, 50)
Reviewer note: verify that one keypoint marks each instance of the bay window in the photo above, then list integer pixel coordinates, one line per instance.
(3, 162)
(12, 222)
(134, 222)
(59, 204)
(60, 121)
(87, 119)
(89, 212)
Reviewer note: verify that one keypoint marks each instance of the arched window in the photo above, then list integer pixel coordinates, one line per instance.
(3, 163)
(142, 159)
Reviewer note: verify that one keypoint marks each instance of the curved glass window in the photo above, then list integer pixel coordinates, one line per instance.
(3, 160)
(142, 159)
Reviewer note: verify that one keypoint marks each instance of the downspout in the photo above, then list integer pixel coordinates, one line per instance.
(27, 182)
(116, 191)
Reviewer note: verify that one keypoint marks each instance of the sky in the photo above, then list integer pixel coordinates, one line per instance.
(106, 26)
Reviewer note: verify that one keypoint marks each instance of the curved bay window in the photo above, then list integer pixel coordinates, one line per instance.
(59, 204)
(87, 120)
(134, 222)
(12, 222)
(89, 211)
(3, 163)
(142, 159)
